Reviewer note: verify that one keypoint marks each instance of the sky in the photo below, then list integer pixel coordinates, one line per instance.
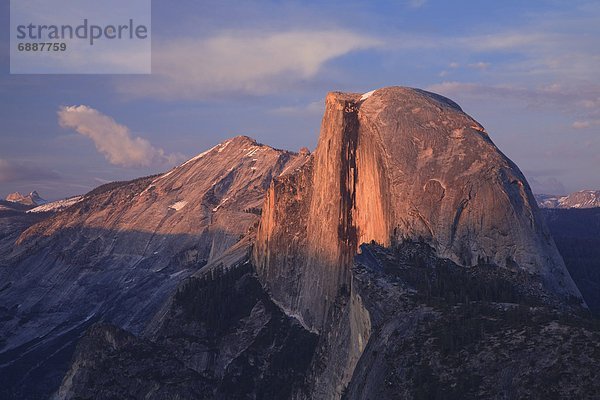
(527, 71)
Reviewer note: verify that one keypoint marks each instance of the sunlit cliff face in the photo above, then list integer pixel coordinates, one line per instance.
(398, 163)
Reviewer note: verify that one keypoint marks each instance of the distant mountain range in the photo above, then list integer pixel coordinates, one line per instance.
(581, 199)
(31, 199)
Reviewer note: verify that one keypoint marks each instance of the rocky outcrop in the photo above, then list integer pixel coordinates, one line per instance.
(32, 199)
(393, 164)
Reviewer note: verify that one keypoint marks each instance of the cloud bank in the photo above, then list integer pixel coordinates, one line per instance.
(247, 63)
(12, 171)
(578, 101)
(114, 140)
(547, 186)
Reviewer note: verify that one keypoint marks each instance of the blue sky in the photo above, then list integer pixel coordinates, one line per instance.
(528, 71)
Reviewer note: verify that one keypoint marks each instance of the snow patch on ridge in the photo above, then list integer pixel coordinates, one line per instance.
(220, 204)
(223, 146)
(178, 205)
(56, 205)
(366, 95)
(253, 151)
(199, 156)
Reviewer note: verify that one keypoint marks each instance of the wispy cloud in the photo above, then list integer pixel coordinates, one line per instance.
(581, 124)
(550, 64)
(570, 100)
(480, 65)
(250, 63)
(508, 40)
(566, 57)
(15, 172)
(113, 140)
(585, 124)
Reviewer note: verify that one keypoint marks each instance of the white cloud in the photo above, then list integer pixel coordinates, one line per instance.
(241, 62)
(112, 139)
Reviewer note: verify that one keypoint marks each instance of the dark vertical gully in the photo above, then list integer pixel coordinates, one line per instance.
(347, 231)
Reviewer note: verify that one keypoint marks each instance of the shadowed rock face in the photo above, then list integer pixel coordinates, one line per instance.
(577, 236)
(398, 163)
(442, 331)
(437, 330)
(221, 338)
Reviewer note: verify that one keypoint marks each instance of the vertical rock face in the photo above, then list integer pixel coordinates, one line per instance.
(392, 164)
(307, 235)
